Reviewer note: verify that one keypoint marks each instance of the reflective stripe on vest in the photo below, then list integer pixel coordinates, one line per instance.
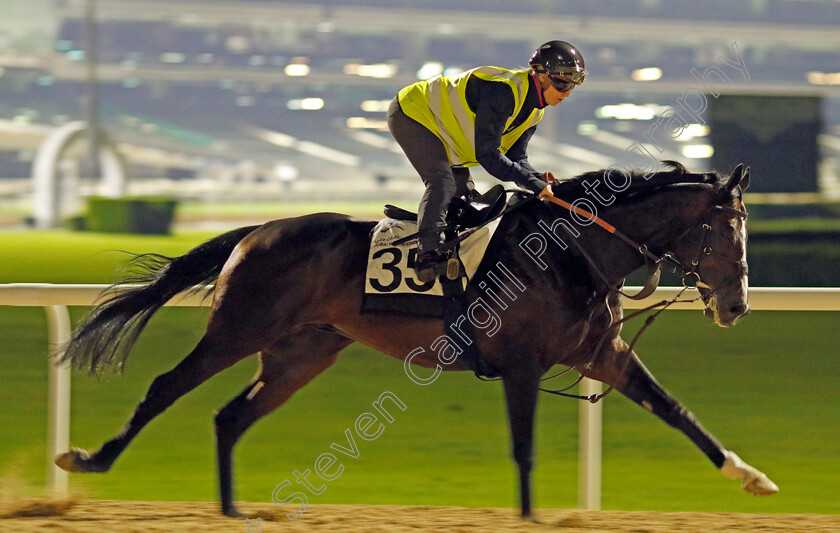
(440, 104)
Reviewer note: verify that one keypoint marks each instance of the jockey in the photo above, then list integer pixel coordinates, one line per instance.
(484, 116)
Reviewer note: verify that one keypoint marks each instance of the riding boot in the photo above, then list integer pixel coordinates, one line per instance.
(430, 263)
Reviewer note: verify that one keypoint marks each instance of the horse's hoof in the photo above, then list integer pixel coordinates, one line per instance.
(530, 518)
(77, 460)
(233, 512)
(760, 485)
(752, 480)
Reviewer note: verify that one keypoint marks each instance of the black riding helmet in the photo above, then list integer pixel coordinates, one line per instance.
(562, 62)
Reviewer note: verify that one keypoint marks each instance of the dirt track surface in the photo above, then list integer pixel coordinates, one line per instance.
(131, 517)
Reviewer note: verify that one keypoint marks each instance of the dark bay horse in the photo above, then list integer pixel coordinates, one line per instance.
(291, 290)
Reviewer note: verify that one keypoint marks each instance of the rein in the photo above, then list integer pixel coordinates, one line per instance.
(594, 398)
(654, 262)
(691, 280)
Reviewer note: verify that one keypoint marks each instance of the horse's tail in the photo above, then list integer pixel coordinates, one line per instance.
(106, 335)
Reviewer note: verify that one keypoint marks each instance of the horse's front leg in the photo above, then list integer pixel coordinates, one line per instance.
(621, 367)
(521, 397)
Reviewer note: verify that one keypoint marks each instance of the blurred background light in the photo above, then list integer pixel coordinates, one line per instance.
(429, 70)
(628, 111)
(698, 151)
(296, 70)
(307, 104)
(172, 57)
(587, 128)
(366, 123)
(692, 131)
(646, 74)
(375, 106)
(824, 78)
(380, 70)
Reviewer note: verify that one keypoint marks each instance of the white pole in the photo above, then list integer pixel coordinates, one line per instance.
(589, 448)
(58, 419)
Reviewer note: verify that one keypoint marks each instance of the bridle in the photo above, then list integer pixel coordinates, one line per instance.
(690, 279)
(691, 275)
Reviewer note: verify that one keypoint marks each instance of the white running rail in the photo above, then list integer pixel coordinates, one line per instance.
(55, 299)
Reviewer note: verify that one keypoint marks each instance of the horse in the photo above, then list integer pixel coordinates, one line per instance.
(291, 291)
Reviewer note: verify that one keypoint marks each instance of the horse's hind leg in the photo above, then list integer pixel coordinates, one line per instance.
(631, 378)
(286, 366)
(208, 358)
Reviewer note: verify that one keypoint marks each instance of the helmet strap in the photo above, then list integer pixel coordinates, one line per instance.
(539, 89)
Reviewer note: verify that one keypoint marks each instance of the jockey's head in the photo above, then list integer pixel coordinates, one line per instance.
(559, 66)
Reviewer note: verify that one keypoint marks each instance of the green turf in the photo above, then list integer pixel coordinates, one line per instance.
(80, 257)
(789, 225)
(766, 388)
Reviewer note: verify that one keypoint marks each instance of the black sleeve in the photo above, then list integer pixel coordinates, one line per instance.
(517, 152)
(494, 105)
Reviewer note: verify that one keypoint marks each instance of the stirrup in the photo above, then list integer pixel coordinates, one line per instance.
(429, 265)
(451, 268)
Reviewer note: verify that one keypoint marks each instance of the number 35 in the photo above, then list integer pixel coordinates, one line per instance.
(393, 266)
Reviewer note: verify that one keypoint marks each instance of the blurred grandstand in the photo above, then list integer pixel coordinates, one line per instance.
(285, 100)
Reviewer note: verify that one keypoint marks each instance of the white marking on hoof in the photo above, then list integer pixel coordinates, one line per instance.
(753, 480)
(69, 460)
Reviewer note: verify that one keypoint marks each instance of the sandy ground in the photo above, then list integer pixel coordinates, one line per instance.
(130, 517)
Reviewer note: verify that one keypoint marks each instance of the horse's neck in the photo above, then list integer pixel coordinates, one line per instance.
(656, 222)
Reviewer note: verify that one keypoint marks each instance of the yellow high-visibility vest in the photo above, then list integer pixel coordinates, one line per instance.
(440, 104)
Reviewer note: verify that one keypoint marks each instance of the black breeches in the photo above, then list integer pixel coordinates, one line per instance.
(427, 155)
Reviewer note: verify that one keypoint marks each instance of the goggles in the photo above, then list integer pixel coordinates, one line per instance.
(567, 81)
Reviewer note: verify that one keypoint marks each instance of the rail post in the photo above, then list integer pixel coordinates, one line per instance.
(58, 417)
(589, 447)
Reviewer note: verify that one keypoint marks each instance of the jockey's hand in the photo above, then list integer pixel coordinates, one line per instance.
(548, 177)
(545, 194)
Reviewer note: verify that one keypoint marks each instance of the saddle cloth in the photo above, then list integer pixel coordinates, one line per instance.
(390, 283)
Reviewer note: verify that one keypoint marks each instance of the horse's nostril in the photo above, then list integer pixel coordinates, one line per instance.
(740, 309)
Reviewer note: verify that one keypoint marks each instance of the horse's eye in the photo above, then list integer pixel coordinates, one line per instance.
(730, 230)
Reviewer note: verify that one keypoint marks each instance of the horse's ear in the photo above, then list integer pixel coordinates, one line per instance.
(735, 178)
(745, 180)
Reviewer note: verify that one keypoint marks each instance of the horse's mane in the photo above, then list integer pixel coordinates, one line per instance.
(639, 185)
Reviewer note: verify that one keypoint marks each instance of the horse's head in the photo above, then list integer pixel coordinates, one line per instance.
(715, 252)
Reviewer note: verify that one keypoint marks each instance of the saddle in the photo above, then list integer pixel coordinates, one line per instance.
(464, 212)
(465, 215)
